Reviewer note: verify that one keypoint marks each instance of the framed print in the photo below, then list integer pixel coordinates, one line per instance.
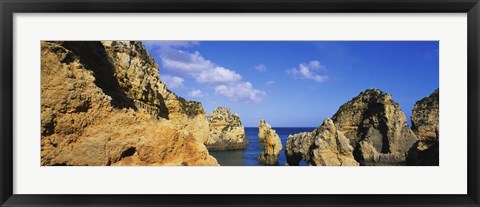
(236, 103)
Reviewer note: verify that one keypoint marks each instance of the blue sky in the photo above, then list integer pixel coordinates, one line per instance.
(295, 83)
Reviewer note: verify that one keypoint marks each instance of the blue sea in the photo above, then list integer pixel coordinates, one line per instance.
(248, 157)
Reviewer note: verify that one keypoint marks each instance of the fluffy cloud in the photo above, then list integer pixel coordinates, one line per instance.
(194, 64)
(218, 75)
(195, 93)
(260, 68)
(308, 71)
(183, 62)
(172, 82)
(269, 83)
(240, 92)
(226, 82)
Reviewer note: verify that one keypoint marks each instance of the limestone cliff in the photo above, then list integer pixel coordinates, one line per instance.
(325, 146)
(376, 128)
(425, 121)
(102, 103)
(226, 131)
(272, 144)
(137, 73)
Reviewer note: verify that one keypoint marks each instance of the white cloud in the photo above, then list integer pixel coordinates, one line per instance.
(226, 82)
(260, 68)
(243, 91)
(172, 82)
(218, 75)
(315, 64)
(183, 62)
(269, 83)
(195, 93)
(195, 65)
(308, 71)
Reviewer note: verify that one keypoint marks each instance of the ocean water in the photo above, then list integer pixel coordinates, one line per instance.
(248, 156)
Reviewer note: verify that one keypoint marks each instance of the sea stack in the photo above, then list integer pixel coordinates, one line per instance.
(325, 146)
(102, 103)
(425, 121)
(272, 144)
(376, 127)
(226, 131)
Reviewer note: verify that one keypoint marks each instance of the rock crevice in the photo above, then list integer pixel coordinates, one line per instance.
(376, 128)
(425, 124)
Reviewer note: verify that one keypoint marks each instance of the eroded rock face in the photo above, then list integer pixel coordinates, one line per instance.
(272, 144)
(325, 146)
(226, 131)
(132, 63)
(374, 119)
(298, 147)
(331, 147)
(102, 103)
(425, 122)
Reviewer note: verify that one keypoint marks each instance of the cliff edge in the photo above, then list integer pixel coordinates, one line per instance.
(102, 103)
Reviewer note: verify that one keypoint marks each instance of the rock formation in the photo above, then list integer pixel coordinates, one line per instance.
(272, 144)
(226, 131)
(298, 147)
(376, 128)
(331, 147)
(137, 73)
(425, 121)
(102, 103)
(325, 146)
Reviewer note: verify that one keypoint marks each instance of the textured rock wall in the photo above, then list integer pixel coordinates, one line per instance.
(137, 73)
(298, 147)
(425, 122)
(226, 131)
(325, 146)
(102, 103)
(272, 145)
(375, 120)
(331, 147)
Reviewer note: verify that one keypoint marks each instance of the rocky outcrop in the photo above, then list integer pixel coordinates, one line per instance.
(376, 128)
(298, 147)
(102, 103)
(325, 146)
(425, 121)
(331, 147)
(226, 131)
(272, 144)
(137, 74)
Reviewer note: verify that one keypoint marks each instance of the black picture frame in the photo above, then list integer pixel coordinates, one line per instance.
(10, 7)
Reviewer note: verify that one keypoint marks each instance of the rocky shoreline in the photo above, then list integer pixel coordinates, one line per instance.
(377, 131)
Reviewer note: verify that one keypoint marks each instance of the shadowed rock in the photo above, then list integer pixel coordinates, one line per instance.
(425, 121)
(102, 103)
(376, 128)
(298, 147)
